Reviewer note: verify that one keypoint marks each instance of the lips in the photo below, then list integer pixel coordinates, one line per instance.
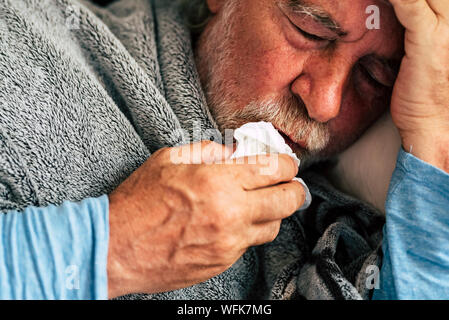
(293, 145)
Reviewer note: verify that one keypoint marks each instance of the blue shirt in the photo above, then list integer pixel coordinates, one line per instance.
(60, 252)
(416, 233)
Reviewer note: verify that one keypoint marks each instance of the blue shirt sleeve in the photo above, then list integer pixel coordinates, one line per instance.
(416, 234)
(57, 252)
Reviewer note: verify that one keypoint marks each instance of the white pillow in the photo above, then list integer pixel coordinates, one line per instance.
(364, 170)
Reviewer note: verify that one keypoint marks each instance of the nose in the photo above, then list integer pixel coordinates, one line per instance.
(321, 86)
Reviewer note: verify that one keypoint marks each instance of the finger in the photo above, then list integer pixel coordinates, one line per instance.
(264, 170)
(414, 15)
(201, 152)
(277, 202)
(230, 149)
(212, 152)
(264, 233)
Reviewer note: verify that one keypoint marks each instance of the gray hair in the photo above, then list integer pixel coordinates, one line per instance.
(196, 13)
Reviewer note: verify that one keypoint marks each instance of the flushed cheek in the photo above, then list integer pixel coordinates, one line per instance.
(269, 73)
(268, 64)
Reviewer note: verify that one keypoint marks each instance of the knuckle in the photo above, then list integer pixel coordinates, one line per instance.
(274, 232)
(232, 212)
(162, 153)
(270, 167)
(288, 198)
(166, 172)
(220, 222)
(289, 163)
(295, 198)
(221, 216)
(277, 174)
(172, 155)
(274, 165)
(225, 216)
(300, 195)
(292, 201)
(229, 244)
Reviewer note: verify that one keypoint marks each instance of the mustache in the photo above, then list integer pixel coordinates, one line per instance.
(288, 114)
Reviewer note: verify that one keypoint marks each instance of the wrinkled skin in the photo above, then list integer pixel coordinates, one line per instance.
(167, 218)
(339, 80)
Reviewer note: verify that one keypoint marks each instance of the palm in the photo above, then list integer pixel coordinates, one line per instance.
(420, 100)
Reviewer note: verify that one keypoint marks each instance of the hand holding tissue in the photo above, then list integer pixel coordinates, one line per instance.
(258, 138)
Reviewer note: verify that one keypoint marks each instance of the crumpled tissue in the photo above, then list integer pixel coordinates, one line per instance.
(257, 138)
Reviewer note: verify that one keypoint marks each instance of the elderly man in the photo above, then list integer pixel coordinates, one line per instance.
(95, 102)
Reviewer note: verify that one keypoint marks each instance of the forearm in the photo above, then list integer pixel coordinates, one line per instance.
(416, 234)
(58, 252)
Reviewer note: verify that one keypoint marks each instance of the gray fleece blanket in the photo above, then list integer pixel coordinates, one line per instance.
(87, 94)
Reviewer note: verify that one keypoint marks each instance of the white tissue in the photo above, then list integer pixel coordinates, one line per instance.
(258, 138)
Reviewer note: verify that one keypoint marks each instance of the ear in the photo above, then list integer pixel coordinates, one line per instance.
(215, 5)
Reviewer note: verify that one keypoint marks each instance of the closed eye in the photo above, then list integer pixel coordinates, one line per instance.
(370, 78)
(309, 35)
(380, 72)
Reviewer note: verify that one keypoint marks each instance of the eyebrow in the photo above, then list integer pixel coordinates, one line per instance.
(318, 14)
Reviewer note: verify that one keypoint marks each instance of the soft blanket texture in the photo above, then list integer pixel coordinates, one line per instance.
(88, 93)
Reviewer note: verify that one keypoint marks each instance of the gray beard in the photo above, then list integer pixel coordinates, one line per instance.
(214, 55)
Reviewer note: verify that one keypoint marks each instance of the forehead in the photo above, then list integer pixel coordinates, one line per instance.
(351, 15)
(355, 18)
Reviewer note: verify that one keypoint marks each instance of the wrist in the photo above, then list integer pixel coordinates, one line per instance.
(430, 147)
(119, 277)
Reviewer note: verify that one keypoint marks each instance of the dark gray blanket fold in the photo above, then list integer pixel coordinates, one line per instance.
(88, 93)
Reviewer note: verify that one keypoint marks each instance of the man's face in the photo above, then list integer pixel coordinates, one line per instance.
(310, 67)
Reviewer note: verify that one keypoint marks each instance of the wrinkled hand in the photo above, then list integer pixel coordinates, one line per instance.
(420, 102)
(173, 225)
